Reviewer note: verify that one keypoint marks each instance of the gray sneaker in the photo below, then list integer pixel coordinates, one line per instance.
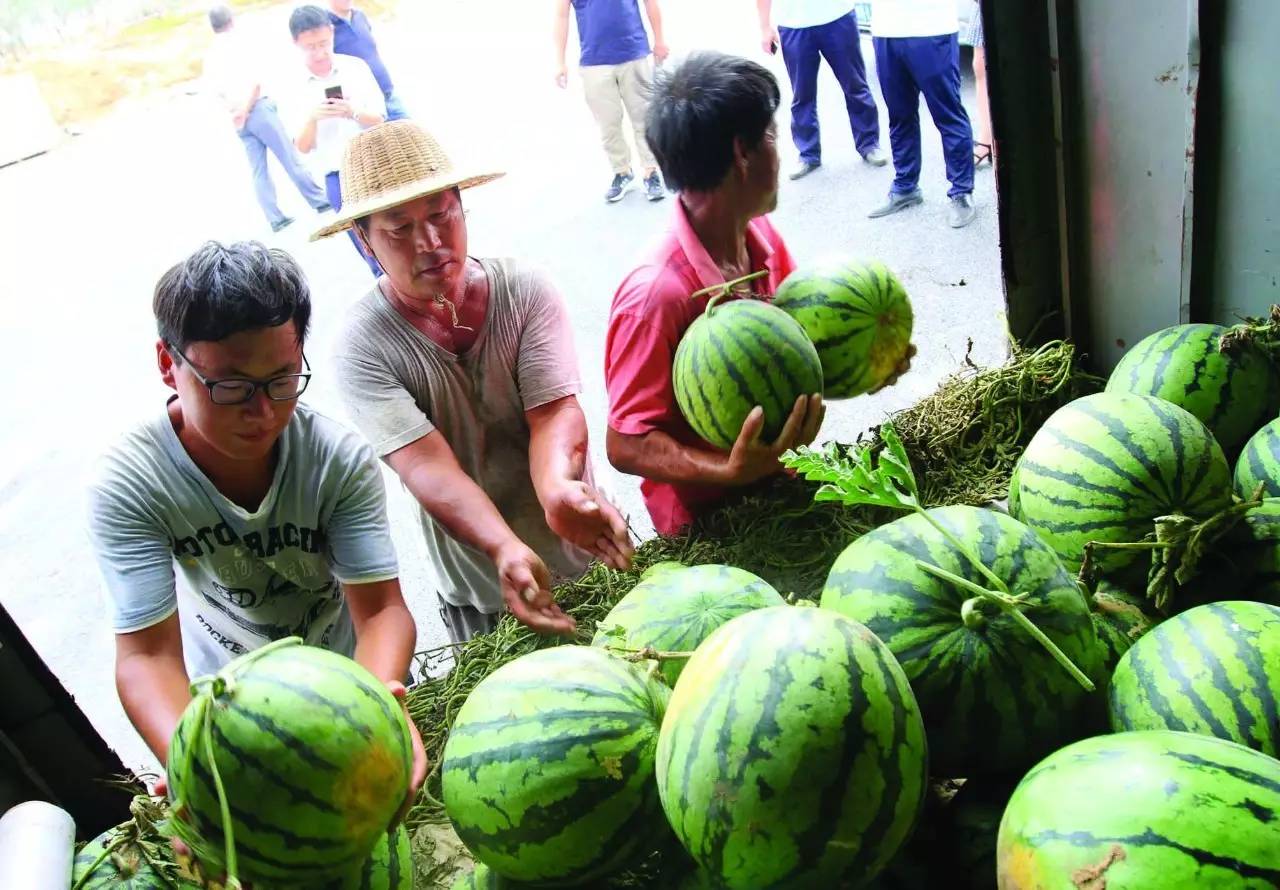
(876, 157)
(653, 188)
(622, 183)
(898, 201)
(962, 211)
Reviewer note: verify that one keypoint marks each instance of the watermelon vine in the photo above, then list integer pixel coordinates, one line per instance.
(861, 478)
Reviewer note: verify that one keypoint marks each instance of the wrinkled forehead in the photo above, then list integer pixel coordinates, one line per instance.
(418, 208)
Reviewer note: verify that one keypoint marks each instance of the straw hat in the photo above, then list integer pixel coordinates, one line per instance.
(387, 165)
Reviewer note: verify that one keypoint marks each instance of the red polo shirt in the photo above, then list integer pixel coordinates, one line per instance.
(651, 311)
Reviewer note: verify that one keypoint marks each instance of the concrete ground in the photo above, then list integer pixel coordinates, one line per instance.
(90, 227)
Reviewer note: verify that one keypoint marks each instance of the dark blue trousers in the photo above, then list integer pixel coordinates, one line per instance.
(837, 42)
(263, 131)
(333, 189)
(907, 67)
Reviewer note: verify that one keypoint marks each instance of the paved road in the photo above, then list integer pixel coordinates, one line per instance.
(88, 229)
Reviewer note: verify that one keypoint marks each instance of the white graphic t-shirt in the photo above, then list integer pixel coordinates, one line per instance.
(249, 577)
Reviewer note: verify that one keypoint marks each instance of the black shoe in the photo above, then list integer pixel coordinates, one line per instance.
(805, 168)
(653, 188)
(324, 208)
(876, 157)
(898, 201)
(962, 211)
(282, 224)
(622, 183)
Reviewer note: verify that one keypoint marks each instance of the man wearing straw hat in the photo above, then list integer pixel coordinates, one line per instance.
(462, 373)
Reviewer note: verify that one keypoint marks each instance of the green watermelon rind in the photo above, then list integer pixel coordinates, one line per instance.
(1213, 670)
(1259, 463)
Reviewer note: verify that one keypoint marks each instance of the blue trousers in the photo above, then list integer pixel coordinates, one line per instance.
(839, 43)
(395, 108)
(907, 67)
(262, 131)
(333, 188)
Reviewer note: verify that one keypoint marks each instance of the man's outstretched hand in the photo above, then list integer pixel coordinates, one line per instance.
(526, 589)
(582, 516)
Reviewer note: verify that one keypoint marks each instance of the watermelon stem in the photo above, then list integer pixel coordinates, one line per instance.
(224, 807)
(647, 653)
(720, 291)
(1012, 606)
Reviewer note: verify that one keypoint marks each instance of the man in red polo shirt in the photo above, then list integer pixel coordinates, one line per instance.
(711, 126)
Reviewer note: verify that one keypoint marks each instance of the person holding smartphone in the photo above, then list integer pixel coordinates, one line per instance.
(336, 98)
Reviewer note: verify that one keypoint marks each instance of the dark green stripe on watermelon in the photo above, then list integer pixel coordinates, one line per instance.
(1145, 809)
(792, 751)
(993, 699)
(1214, 670)
(1233, 394)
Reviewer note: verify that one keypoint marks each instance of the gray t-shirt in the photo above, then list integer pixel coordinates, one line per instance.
(249, 577)
(399, 385)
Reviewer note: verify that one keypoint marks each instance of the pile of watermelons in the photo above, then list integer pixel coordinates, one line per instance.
(1096, 670)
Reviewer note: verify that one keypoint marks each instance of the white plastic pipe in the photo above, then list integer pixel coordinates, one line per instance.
(37, 842)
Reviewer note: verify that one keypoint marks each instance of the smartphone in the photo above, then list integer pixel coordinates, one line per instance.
(334, 92)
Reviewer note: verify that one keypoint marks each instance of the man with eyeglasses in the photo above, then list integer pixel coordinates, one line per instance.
(238, 516)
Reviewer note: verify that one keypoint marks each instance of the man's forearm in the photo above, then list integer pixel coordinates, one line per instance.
(306, 139)
(385, 641)
(557, 446)
(657, 456)
(455, 501)
(154, 690)
(560, 32)
(655, 19)
(764, 8)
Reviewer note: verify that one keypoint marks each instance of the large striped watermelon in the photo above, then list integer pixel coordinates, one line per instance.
(792, 752)
(736, 356)
(1259, 463)
(676, 610)
(389, 866)
(859, 318)
(1214, 669)
(1144, 811)
(548, 771)
(1233, 393)
(1103, 467)
(115, 860)
(994, 700)
(314, 754)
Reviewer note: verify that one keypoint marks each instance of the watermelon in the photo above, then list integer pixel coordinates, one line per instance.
(736, 356)
(1103, 467)
(548, 770)
(993, 699)
(1214, 669)
(859, 319)
(1231, 393)
(1259, 463)
(792, 752)
(1120, 618)
(124, 868)
(314, 754)
(389, 866)
(1139, 810)
(659, 568)
(678, 609)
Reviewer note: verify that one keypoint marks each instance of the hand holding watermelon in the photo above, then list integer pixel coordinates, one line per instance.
(419, 772)
(752, 459)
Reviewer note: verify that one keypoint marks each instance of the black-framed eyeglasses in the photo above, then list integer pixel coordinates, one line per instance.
(238, 390)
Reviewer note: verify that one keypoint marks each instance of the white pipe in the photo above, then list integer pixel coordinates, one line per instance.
(37, 842)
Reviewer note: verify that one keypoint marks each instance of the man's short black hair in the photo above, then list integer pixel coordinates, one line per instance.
(220, 18)
(697, 111)
(223, 289)
(308, 18)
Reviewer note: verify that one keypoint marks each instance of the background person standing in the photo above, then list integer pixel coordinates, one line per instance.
(918, 51)
(229, 74)
(353, 36)
(809, 31)
(617, 73)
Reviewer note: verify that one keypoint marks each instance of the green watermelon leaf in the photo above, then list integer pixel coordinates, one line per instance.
(861, 477)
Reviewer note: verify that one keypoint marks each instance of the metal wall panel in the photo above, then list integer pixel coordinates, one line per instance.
(1129, 117)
